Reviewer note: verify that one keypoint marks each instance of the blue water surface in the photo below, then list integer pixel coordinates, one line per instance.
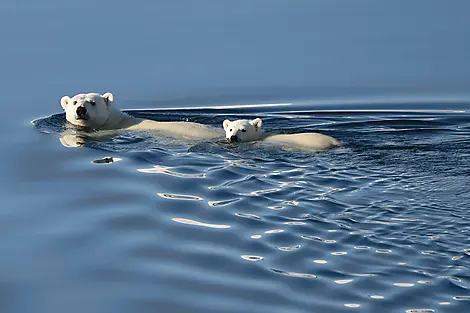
(134, 222)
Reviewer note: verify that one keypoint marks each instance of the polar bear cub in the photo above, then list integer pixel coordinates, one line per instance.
(97, 112)
(245, 130)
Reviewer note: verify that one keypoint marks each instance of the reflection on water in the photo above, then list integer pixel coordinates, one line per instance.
(352, 305)
(379, 224)
(294, 274)
(252, 257)
(157, 169)
(179, 197)
(191, 222)
(403, 284)
(320, 261)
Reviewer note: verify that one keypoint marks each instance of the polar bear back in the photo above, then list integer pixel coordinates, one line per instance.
(304, 140)
(187, 130)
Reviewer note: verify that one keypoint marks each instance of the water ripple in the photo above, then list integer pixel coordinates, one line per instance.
(196, 223)
(223, 202)
(291, 248)
(293, 274)
(157, 169)
(178, 196)
(244, 215)
(253, 258)
(381, 222)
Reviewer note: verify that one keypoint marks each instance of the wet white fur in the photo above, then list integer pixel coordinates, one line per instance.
(246, 130)
(104, 116)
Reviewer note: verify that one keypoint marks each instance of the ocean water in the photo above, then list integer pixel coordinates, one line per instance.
(133, 222)
(379, 224)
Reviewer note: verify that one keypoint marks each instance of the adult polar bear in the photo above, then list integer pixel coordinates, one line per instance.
(245, 130)
(96, 111)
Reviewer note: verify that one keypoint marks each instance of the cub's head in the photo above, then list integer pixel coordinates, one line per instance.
(88, 110)
(243, 130)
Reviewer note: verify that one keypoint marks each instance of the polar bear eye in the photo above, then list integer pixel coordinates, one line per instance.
(230, 130)
(92, 102)
(75, 102)
(243, 130)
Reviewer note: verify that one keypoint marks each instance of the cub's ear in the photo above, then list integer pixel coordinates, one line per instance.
(108, 98)
(256, 123)
(64, 101)
(226, 123)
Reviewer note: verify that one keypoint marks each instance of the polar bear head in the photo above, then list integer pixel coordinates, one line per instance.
(243, 130)
(88, 110)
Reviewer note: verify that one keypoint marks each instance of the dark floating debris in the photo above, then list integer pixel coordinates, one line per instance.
(106, 160)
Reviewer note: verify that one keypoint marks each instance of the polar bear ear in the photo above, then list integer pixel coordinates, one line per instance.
(256, 123)
(108, 98)
(226, 123)
(64, 101)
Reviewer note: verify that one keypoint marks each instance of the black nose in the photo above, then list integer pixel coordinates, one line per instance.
(81, 111)
(233, 138)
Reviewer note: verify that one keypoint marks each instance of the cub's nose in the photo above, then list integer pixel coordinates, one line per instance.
(233, 138)
(81, 111)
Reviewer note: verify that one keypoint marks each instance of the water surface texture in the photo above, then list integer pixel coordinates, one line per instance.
(381, 222)
(139, 223)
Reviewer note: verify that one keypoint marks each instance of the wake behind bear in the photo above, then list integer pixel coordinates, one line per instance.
(97, 112)
(245, 130)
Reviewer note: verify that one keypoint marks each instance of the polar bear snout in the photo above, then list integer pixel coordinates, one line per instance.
(233, 138)
(81, 112)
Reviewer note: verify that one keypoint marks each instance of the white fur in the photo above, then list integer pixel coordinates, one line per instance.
(102, 115)
(245, 130)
